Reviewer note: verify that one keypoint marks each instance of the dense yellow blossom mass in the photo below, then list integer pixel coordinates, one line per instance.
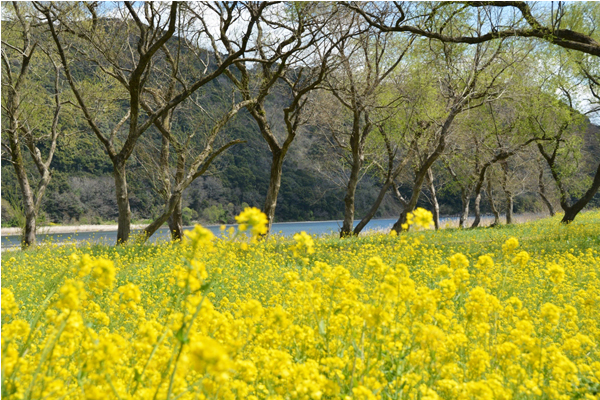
(491, 313)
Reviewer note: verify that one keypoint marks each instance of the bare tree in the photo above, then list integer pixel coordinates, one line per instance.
(365, 64)
(294, 53)
(30, 112)
(397, 159)
(560, 145)
(455, 22)
(188, 164)
(542, 191)
(468, 81)
(109, 46)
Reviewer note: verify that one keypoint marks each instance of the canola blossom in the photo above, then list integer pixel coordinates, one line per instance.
(510, 313)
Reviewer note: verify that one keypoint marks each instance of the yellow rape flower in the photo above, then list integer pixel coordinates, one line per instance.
(255, 219)
(103, 272)
(199, 237)
(304, 242)
(555, 273)
(208, 356)
(422, 218)
(521, 258)
(510, 245)
(71, 294)
(9, 305)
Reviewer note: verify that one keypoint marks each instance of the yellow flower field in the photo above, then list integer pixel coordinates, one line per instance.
(491, 313)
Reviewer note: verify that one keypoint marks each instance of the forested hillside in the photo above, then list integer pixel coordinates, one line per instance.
(143, 113)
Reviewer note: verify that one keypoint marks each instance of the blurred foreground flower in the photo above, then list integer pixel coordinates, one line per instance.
(255, 219)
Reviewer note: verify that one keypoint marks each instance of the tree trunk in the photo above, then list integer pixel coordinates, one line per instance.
(412, 203)
(542, 192)
(507, 193)
(274, 186)
(548, 204)
(477, 211)
(492, 204)
(509, 208)
(420, 175)
(365, 220)
(349, 198)
(478, 189)
(176, 222)
(124, 221)
(466, 200)
(28, 235)
(174, 201)
(571, 212)
(434, 201)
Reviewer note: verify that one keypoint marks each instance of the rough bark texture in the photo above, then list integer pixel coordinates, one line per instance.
(434, 200)
(371, 213)
(176, 222)
(357, 161)
(124, 221)
(572, 211)
(542, 193)
(493, 204)
(477, 210)
(509, 208)
(274, 186)
(466, 201)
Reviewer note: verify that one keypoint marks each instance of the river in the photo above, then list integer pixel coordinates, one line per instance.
(283, 228)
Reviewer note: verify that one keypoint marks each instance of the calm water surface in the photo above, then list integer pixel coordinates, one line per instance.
(283, 228)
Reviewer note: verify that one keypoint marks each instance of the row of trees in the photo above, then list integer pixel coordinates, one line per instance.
(411, 93)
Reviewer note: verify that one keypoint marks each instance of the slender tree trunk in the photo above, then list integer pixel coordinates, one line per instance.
(509, 208)
(572, 211)
(477, 209)
(412, 203)
(466, 200)
(124, 221)
(548, 204)
(274, 186)
(365, 220)
(478, 189)
(542, 192)
(493, 204)
(176, 222)
(349, 198)
(434, 200)
(28, 236)
(176, 218)
(508, 194)
(170, 207)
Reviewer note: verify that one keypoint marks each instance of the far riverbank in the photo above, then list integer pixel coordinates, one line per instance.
(445, 222)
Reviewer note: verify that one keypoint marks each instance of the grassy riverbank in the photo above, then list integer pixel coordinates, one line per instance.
(506, 312)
